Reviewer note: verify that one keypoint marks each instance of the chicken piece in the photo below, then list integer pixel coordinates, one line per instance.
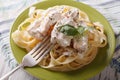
(32, 29)
(60, 38)
(73, 13)
(80, 44)
(48, 21)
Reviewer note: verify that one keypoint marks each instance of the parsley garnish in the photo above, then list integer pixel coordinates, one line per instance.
(71, 30)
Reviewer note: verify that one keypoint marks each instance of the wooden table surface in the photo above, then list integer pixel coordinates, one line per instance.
(107, 74)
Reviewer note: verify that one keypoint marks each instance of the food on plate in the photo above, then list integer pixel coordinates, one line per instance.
(76, 38)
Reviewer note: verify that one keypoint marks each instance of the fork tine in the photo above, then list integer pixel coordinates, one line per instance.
(41, 47)
(45, 52)
(38, 45)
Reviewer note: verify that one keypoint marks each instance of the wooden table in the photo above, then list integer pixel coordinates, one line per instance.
(107, 74)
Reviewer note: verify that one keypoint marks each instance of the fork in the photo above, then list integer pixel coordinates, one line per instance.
(34, 56)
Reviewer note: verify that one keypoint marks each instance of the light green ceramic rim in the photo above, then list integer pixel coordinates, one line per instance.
(102, 59)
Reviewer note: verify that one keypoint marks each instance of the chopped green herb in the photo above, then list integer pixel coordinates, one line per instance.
(71, 30)
(68, 30)
(81, 29)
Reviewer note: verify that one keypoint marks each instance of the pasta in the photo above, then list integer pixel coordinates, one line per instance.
(76, 38)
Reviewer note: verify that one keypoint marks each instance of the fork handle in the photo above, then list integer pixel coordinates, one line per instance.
(11, 72)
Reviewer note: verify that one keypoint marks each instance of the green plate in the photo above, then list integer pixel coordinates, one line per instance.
(102, 59)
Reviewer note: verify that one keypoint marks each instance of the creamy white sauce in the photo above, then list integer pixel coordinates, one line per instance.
(48, 21)
(56, 17)
(81, 44)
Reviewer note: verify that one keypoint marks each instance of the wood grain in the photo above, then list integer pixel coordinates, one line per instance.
(107, 74)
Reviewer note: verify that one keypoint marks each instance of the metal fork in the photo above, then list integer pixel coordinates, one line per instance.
(34, 56)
